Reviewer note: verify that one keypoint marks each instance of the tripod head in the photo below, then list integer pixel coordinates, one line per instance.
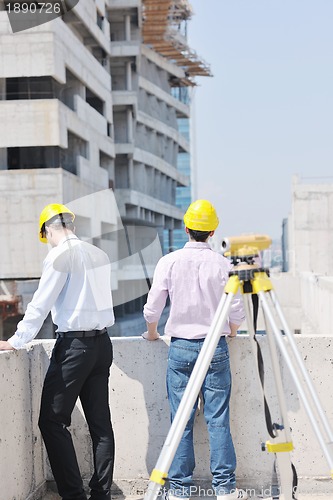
(245, 248)
(244, 253)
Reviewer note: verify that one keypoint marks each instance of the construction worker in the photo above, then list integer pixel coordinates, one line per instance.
(194, 278)
(75, 286)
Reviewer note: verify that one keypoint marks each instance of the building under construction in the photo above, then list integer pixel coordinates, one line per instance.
(89, 105)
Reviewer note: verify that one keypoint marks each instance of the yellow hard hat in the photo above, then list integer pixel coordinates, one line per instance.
(48, 213)
(201, 216)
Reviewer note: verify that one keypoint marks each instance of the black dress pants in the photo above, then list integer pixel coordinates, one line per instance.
(79, 367)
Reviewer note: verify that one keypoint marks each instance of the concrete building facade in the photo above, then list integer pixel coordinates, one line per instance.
(89, 110)
(307, 256)
(308, 231)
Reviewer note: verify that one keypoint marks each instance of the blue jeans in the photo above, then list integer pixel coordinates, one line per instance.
(215, 391)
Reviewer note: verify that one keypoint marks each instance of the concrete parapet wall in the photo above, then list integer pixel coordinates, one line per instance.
(140, 415)
(306, 300)
(24, 193)
(311, 224)
(22, 469)
(317, 301)
(287, 290)
(24, 120)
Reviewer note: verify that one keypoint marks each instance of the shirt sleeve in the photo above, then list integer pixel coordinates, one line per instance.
(157, 295)
(237, 312)
(50, 285)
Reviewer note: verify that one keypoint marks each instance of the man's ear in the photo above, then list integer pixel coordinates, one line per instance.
(186, 230)
(211, 233)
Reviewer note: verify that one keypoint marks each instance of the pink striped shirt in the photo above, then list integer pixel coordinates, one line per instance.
(194, 278)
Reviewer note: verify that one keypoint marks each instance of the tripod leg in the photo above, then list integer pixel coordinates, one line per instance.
(283, 346)
(302, 367)
(157, 478)
(282, 434)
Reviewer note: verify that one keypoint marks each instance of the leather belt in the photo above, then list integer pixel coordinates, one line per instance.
(80, 333)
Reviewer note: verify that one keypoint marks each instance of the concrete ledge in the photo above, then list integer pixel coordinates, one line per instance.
(140, 416)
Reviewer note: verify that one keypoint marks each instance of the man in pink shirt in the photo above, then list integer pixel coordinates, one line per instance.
(194, 278)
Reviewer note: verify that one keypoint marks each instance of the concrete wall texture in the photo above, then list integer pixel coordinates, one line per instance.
(306, 300)
(25, 193)
(317, 303)
(140, 415)
(310, 228)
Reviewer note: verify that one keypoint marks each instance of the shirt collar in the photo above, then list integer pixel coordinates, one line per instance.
(197, 244)
(66, 238)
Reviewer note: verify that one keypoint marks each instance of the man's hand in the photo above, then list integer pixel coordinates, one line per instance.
(233, 330)
(5, 346)
(151, 333)
(150, 336)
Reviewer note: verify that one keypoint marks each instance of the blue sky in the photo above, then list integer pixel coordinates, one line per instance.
(267, 113)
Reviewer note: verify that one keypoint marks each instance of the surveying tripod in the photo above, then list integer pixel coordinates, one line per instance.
(253, 281)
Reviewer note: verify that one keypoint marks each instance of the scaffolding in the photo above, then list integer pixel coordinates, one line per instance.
(162, 24)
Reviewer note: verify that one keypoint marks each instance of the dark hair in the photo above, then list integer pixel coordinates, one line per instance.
(58, 221)
(199, 235)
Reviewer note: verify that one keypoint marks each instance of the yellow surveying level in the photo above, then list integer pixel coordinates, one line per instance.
(252, 281)
(246, 244)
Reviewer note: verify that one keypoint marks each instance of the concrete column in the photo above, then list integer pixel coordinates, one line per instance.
(128, 76)
(171, 240)
(130, 173)
(93, 153)
(111, 170)
(129, 126)
(2, 89)
(3, 159)
(72, 88)
(128, 28)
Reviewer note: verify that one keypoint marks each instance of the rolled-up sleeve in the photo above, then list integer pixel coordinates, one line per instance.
(157, 295)
(237, 313)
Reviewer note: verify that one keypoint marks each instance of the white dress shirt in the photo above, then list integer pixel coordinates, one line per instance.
(75, 286)
(194, 277)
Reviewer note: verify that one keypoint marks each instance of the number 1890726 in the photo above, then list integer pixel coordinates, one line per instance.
(33, 7)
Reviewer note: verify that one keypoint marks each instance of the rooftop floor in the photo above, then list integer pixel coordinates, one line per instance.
(308, 489)
(304, 496)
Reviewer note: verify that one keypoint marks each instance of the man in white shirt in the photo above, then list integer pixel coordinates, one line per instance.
(76, 287)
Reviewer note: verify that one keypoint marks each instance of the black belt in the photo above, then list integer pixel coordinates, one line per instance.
(80, 334)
